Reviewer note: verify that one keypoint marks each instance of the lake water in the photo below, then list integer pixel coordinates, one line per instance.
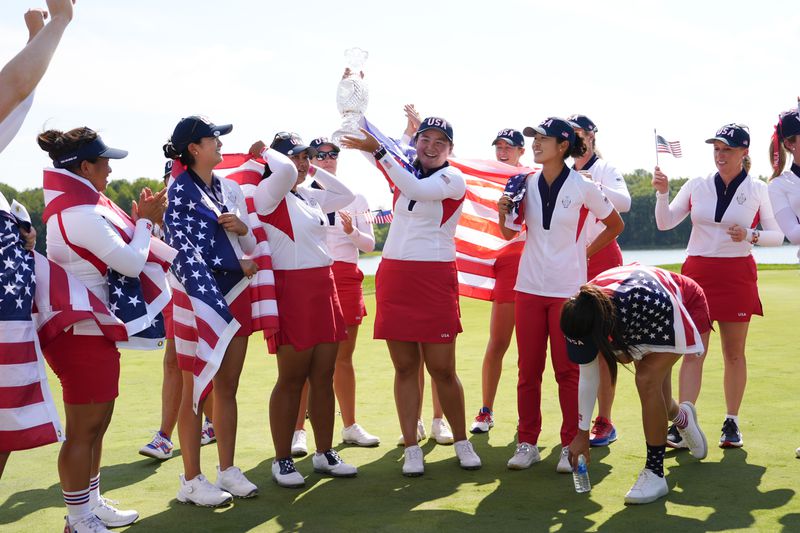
(772, 254)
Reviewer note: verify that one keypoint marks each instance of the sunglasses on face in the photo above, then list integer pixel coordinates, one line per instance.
(322, 156)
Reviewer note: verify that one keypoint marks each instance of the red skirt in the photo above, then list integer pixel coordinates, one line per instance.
(695, 302)
(86, 365)
(609, 256)
(348, 280)
(730, 285)
(240, 309)
(417, 301)
(308, 309)
(506, 267)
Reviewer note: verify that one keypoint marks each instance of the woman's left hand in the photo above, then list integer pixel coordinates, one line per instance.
(367, 144)
(232, 223)
(347, 222)
(249, 267)
(737, 233)
(30, 238)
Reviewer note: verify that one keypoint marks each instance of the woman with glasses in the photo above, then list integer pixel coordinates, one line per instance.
(311, 319)
(726, 208)
(349, 232)
(417, 286)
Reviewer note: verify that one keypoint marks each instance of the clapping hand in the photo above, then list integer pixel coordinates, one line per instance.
(150, 206)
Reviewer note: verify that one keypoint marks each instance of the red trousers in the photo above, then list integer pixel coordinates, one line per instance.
(537, 318)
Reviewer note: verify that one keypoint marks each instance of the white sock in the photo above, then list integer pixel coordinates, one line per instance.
(94, 491)
(77, 503)
(735, 418)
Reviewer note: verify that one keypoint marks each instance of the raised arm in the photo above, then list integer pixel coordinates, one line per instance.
(669, 215)
(272, 190)
(20, 76)
(334, 195)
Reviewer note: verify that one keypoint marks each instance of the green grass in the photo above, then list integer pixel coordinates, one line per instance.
(754, 488)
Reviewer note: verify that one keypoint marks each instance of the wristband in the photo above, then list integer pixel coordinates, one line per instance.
(379, 153)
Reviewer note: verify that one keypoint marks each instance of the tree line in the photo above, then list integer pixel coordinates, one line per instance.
(640, 223)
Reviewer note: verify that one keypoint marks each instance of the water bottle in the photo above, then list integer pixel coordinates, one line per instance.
(580, 476)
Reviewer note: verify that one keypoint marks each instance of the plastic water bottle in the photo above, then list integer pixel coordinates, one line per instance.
(580, 476)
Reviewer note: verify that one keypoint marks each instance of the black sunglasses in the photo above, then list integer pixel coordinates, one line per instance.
(322, 156)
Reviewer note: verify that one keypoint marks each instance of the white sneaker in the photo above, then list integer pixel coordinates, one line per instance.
(90, 524)
(564, 466)
(232, 480)
(330, 463)
(207, 434)
(299, 446)
(797, 453)
(159, 448)
(421, 435)
(355, 434)
(286, 475)
(111, 516)
(648, 488)
(525, 455)
(440, 431)
(467, 458)
(692, 434)
(413, 465)
(200, 491)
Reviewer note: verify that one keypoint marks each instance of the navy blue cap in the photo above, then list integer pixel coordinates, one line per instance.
(581, 350)
(291, 144)
(734, 135)
(788, 124)
(435, 123)
(192, 129)
(512, 137)
(93, 150)
(553, 127)
(583, 122)
(321, 141)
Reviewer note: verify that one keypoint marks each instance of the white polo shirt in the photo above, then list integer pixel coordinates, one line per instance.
(426, 213)
(553, 261)
(296, 222)
(345, 246)
(784, 194)
(749, 206)
(613, 185)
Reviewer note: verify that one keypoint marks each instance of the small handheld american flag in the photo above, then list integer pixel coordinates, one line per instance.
(664, 146)
(379, 216)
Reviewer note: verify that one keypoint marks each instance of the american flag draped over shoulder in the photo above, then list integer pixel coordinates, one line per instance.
(138, 302)
(247, 172)
(207, 277)
(478, 238)
(650, 305)
(38, 300)
(668, 147)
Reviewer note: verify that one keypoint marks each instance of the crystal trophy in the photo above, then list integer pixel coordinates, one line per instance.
(352, 95)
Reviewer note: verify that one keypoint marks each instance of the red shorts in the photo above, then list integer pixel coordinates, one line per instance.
(730, 285)
(417, 301)
(694, 300)
(506, 267)
(241, 311)
(86, 365)
(169, 326)
(308, 309)
(348, 280)
(609, 256)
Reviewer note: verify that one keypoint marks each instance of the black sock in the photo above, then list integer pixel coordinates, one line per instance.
(655, 459)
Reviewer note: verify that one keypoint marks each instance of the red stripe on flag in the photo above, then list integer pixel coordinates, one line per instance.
(16, 397)
(474, 292)
(25, 439)
(16, 353)
(473, 267)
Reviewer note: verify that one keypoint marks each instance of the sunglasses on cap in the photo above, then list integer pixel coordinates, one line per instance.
(322, 156)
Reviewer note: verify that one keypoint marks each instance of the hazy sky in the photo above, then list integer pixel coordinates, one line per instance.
(132, 69)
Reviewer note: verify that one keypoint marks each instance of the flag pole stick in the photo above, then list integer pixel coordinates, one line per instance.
(655, 138)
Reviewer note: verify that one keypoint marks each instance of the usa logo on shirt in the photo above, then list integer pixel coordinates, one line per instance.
(741, 198)
(566, 202)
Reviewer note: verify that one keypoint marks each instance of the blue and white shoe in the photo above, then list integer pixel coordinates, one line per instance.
(159, 448)
(286, 475)
(731, 436)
